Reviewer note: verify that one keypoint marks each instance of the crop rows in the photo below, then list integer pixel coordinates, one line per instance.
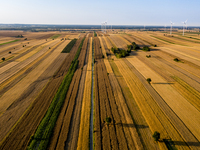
(29, 122)
(46, 127)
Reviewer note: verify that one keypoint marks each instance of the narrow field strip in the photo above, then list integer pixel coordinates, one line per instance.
(8, 66)
(9, 42)
(84, 139)
(55, 36)
(69, 46)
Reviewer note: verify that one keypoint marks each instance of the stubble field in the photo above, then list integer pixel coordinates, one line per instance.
(125, 108)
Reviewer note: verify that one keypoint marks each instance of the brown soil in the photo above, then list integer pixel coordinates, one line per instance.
(65, 135)
(29, 122)
(107, 136)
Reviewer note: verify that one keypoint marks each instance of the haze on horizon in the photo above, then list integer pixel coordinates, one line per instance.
(88, 12)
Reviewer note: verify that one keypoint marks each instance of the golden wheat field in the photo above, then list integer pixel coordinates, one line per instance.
(120, 90)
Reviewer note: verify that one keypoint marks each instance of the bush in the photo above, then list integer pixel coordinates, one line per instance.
(149, 80)
(146, 48)
(155, 45)
(108, 120)
(176, 59)
(3, 59)
(156, 135)
(148, 56)
(135, 46)
(102, 56)
(9, 52)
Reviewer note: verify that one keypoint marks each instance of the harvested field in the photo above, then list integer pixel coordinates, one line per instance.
(29, 121)
(20, 96)
(46, 96)
(83, 138)
(183, 109)
(64, 134)
(106, 106)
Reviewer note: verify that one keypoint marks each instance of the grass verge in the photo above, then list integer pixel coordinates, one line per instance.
(9, 42)
(55, 36)
(69, 46)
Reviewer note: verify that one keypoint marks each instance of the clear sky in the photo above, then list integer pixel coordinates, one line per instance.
(93, 12)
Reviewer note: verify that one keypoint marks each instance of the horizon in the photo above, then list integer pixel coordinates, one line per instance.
(148, 13)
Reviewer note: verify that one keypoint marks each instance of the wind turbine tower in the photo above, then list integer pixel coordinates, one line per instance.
(171, 27)
(184, 23)
(105, 25)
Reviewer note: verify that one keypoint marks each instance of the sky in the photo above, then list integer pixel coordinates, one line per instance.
(93, 12)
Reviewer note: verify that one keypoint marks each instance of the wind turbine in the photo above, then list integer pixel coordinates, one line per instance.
(105, 25)
(171, 27)
(184, 23)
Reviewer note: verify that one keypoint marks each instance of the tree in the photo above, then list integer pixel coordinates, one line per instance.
(156, 136)
(3, 59)
(108, 120)
(149, 80)
(146, 48)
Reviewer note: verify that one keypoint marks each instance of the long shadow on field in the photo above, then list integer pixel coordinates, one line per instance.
(132, 125)
(189, 143)
(161, 83)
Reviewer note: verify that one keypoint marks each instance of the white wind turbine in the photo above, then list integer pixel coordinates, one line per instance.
(184, 23)
(171, 27)
(105, 25)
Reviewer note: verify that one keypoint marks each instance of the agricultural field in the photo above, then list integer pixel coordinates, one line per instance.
(93, 90)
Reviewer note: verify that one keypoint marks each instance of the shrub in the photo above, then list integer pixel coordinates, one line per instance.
(108, 120)
(9, 52)
(102, 56)
(176, 59)
(135, 46)
(155, 45)
(49, 47)
(3, 59)
(156, 135)
(149, 80)
(146, 48)
(148, 56)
